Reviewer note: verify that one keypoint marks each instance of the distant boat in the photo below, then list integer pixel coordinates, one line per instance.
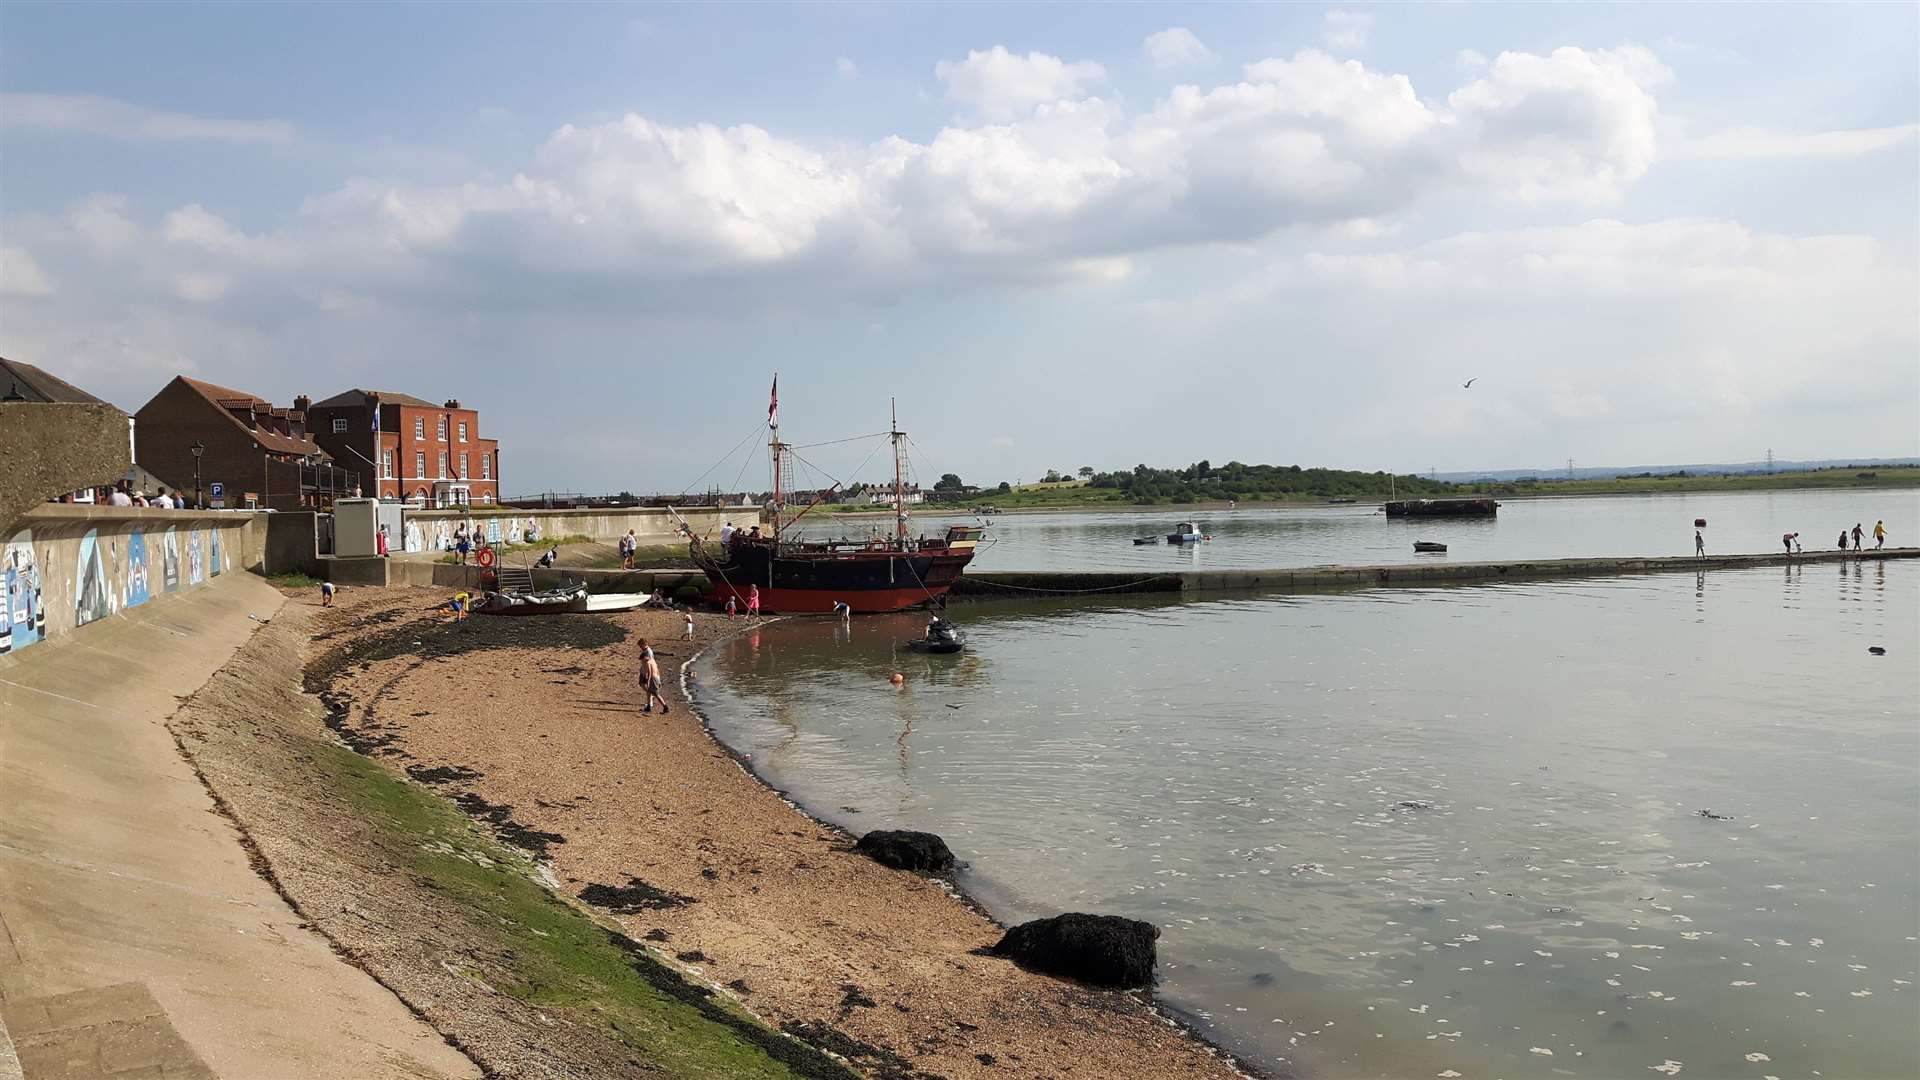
(1146, 540)
(1340, 502)
(1428, 545)
(1186, 532)
(1442, 508)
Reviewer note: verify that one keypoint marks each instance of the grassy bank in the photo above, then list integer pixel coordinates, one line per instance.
(561, 960)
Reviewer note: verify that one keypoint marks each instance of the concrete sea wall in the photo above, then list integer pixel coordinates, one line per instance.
(1001, 584)
(432, 530)
(63, 566)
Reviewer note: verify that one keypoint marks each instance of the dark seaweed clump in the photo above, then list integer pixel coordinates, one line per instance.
(632, 898)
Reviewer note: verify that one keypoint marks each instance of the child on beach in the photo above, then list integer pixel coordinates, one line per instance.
(650, 679)
(689, 616)
(326, 594)
(753, 601)
(731, 607)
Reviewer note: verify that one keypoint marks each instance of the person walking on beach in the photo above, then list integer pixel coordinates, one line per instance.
(380, 542)
(753, 601)
(1879, 534)
(1699, 543)
(689, 616)
(733, 607)
(1856, 536)
(629, 546)
(650, 679)
(460, 545)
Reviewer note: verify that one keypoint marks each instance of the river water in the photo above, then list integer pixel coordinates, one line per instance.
(1359, 535)
(1421, 832)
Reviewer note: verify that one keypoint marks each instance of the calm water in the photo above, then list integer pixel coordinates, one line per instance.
(1623, 525)
(1422, 832)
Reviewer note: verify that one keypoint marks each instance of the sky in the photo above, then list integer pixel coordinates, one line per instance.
(1056, 235)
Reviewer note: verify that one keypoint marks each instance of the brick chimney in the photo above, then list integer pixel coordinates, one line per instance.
(302, 403)
(453, 403)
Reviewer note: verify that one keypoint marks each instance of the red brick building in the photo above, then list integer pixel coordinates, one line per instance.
(413, 449)
(258, 454)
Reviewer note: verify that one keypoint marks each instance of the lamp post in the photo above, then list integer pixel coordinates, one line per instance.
(198, 449)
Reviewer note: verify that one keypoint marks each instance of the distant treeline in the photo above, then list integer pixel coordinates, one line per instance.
(1202, 481)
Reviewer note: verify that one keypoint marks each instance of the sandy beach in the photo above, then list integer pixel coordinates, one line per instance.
(535, 726)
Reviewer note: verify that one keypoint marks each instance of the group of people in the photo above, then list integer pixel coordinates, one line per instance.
(1879, 536)
(729, 534)
(124, 495)
(753, 603)
(464, 542)
(1791, 541)
(629, 546)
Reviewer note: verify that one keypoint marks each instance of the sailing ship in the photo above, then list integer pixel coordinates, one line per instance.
(790, 575)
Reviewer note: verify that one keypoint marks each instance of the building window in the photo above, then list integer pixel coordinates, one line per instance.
(339, 424)
(487, 498)
(443, 464)
(419, 463)
(463, 466)
(463, 431)
(419, 427)
(386, 463)
(486, 466)
(443, 429)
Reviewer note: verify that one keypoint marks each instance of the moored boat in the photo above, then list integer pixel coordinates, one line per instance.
(942, 637)
(790, 575)
(1429, 546)
(548, 602)
(1186, 532)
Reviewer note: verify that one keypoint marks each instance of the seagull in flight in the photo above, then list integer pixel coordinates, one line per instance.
(1470, 382)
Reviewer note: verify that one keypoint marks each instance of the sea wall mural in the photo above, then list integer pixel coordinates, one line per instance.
(172, 561)
(26, 616)
(137, 593)
(55, 577)
(93, 590)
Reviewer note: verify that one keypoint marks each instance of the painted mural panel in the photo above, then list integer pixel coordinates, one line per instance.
(25, 617)
(214, 562)
(172, 560)
(196, 567)
(493, 530)
(137, 591)
(92, 590)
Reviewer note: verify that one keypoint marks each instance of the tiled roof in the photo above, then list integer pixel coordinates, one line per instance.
(225, 398)
(358, 397)
(35, 384)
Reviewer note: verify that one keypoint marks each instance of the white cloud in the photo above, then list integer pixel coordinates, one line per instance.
(1470, 58)
(1761, 143)
(846, 68)
(21, 275)
(1175, 47)
(1074, 188)
(91, 115)
(1002, 85)
(1346, 29)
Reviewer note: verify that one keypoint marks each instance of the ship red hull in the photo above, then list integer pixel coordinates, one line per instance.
(819, 602)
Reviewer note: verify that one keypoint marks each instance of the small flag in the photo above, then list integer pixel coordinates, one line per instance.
(773, 401)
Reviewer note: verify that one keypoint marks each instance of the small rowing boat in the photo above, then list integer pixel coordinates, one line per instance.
(1429, 546)
(548, 602)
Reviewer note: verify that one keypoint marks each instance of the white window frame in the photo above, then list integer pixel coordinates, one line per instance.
(420, 427)
(443, 466)
(339, 425)
(463, 431)
(443, 427)
(419, 463)
(486, 465)
(386, 464)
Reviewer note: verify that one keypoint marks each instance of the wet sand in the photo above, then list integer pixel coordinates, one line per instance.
(534, 724)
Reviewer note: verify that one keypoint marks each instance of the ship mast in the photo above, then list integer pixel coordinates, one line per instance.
(899, 482)
(775, 448)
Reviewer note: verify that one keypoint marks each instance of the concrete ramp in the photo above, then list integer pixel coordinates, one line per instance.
(135, 937)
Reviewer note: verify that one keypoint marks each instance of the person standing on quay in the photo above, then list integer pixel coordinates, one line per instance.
(1787, 540)
(1843, 539)
(1856, 536)
(1699, 544)
(1879, 534)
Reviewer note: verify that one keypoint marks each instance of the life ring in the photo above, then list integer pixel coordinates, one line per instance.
(485, 558)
